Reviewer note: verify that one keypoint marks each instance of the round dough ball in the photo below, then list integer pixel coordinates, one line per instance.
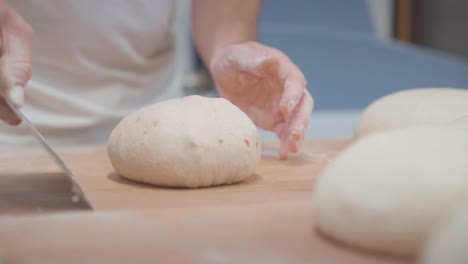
(413, 107)
(449, 242)
(387, 191)
(187, 142)
(461, 122)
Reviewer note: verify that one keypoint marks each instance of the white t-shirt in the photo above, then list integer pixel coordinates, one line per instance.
(93, 63)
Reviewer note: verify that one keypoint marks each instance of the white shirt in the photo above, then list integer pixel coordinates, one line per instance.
(94, 62)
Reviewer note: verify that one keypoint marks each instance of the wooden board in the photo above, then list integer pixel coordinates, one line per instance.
(274, 181)
(30, 182)
(267, 218)
(274, 233)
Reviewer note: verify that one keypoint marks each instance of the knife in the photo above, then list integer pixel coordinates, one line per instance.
(78, 196)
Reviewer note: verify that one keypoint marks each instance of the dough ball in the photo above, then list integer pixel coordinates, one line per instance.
(387, 191)
(461, 122)
(449, 243)
(188, 142)
(413, 107)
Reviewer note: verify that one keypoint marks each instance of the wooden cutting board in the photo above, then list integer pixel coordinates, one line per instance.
(32, 174)
(275, 233)
(267, 218)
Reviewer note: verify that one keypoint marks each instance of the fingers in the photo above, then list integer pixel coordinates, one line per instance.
(292, 79)
(294, 84)
(299, 122)
(295, 105)
(16, 95)
(7, 115)
(291, 133)
(281, 132)
(15, 62)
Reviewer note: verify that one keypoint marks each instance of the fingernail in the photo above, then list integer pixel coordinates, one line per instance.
(291, 105)
(17, 95)
(297, 132)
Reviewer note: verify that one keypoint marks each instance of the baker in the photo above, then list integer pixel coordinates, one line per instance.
(95, 62)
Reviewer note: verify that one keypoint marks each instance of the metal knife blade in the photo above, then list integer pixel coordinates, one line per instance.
(78, 196)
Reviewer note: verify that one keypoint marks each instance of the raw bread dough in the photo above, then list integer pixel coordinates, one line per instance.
(188, 142)
(413, 107)
(388, 190)
(461, 122)
(449, 243)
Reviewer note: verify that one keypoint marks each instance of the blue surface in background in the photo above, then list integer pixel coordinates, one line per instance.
(347, 67)
(347, 73)
(338, 14)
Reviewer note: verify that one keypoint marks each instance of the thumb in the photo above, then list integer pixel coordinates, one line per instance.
(16, 95)
(15, 61)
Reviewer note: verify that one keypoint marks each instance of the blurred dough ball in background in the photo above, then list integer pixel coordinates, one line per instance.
(413, 107)
(449, 242)
(388, 190)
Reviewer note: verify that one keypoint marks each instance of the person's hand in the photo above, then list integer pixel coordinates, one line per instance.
(16, 37)
(268, 87)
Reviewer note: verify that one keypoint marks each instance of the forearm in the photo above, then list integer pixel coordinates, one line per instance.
(217, 23)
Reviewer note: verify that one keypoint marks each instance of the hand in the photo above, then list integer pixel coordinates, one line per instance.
(16, 37)
(268, 87)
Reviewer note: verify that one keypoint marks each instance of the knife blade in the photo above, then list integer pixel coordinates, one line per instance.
(78, 196)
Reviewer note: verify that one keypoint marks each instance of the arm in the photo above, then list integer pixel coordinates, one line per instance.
(216, 24)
